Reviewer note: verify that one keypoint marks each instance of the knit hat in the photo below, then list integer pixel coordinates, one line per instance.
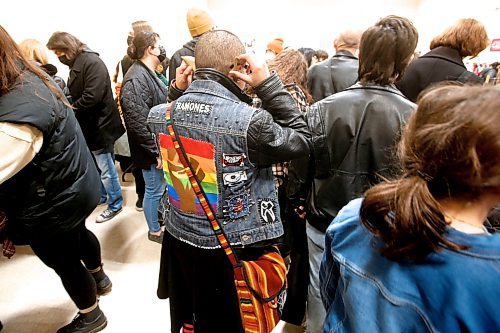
(198, 21)
(276, 45)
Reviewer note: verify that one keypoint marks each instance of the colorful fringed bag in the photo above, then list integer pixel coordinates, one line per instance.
(259, 282)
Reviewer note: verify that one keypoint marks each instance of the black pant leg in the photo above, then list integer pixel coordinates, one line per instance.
(298, 274)
(90, 249)
(178, 282)
(140, 185)
(202, 290)
(62, 254)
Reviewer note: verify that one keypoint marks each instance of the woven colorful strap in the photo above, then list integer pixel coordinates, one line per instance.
(200, 194)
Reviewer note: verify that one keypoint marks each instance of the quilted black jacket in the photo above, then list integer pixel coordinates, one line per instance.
(141, 90)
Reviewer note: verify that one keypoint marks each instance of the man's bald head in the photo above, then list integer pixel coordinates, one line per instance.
(348, 40)
(218, 50)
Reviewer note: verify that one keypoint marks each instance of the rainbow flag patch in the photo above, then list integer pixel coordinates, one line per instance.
(201, 156)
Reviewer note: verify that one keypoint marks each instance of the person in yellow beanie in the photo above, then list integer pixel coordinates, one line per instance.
(198, 22)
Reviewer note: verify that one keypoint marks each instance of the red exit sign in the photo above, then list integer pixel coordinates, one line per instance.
(495, 45)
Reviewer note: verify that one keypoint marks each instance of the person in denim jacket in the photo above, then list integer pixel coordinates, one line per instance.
(414, 255)
(231, 147)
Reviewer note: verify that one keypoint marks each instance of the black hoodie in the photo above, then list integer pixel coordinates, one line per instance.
(186, 50)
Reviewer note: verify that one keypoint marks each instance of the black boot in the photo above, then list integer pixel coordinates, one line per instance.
(94, 321)
(102, 281)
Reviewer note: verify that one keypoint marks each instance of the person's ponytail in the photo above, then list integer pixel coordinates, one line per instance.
(405, 215)
(132, 52)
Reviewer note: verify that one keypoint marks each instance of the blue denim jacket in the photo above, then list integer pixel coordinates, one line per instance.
(449, 292)
(212, 123)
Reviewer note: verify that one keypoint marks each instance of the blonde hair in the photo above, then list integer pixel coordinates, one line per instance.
(467, 36)
(33, 50)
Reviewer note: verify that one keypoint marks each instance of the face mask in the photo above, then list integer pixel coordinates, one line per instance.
(64, 60)
(163, 54)
(129, 40)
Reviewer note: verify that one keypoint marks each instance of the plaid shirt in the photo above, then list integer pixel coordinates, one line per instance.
(298, 96)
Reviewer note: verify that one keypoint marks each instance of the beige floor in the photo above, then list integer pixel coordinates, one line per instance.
(32, 299)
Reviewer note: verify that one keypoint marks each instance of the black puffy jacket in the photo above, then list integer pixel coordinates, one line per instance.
(333, 75)
(60, 187)
(353, 136)
(141, 90)
(95, 108)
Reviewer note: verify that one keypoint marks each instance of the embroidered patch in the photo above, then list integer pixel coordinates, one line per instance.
(233, 159)
(202, 158)
(245, 238)
(196, 107)
(267, 210)
(233, 178)
(237, 207)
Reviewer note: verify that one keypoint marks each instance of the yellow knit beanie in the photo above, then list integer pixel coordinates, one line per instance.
(198, 21)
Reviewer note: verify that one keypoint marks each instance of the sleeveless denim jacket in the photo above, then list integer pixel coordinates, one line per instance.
(212, 124)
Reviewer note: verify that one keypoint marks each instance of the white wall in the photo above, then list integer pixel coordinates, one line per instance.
(103, 25)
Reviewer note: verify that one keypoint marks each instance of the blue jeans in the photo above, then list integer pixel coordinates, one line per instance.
(155, 185)
(110, 186)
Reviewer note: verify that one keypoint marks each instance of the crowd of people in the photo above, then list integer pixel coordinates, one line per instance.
(373, 173)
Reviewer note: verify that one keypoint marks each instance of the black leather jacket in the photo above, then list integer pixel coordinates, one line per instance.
(333, 75)
(278, 131)
(353, 136)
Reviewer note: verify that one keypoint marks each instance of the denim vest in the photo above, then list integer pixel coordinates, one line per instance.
(449, 291)
(213, 123)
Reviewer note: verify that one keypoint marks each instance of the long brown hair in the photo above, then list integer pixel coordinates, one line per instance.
(386, 49)
(450, 150)
(13, 64)
(291, 66)
(467, 36)
(67, 43)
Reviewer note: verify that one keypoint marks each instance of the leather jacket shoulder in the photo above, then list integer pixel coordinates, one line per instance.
(332, 75)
